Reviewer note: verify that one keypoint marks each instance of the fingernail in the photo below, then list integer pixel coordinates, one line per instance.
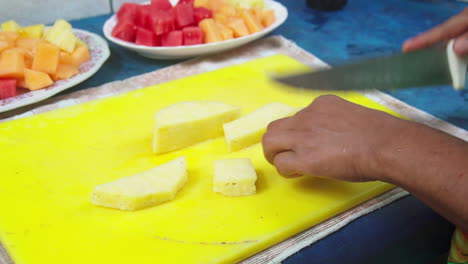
(461, 46)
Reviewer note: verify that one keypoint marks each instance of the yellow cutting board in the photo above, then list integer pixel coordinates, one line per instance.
(51, 162)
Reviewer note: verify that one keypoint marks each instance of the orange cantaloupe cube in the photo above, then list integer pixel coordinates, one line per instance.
(268, 17)
(46, 58)
(251, 21)
(257, 11)
(10, 37)
(4, 45)
(65, 57)
(80, 55)
(210, 30)
(20, 82)
(221, 18)
(201, 3)
(227, 10)
(238, 26)
(225, 31)
(27, 43)
(216, 5)
(12, 64)
(35, 80)
(64, 71)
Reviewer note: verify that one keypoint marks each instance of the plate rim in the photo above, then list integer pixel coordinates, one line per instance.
(40, 95)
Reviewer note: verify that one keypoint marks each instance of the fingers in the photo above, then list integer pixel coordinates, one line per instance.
(276, 141)
(452, 28)
(287, 164)
(461, 45)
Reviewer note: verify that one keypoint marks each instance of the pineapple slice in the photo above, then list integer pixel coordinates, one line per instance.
(249, 129)
(187, 123)
(34, 31)
(234, 177)
(151, 187)
(10, 26)
(61, 35)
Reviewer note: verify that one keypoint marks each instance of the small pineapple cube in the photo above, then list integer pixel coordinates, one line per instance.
(151, 187)
(186, 123)
(250, 128)
(61, 35)
(10, 26)
(234, 177)
(34, 31)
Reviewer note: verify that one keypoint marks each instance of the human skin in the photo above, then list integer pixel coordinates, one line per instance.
(338, 139)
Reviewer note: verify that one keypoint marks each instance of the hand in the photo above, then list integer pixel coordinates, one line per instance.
(332, 138)
(456, 27)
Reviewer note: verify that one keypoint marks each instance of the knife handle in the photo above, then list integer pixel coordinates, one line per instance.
(457, 66)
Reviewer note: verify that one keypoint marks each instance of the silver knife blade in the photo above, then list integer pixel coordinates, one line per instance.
(422, 68)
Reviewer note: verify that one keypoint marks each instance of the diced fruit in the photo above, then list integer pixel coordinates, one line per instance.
(128, 11)
(186, 123)
(143, 18)
(250, 128)
(252, 22)
(221, 18)
(10, 26)
(210, 30)
(192, 36)
(216, 5)
(163, 22)
(61, 35)
(183, 13)
(200, 13)
(234, 177)
(7, 88)
(268, 18)
(227, 10)
(80, 55)
(12, 64)
(46, 58)
(146, 37)
(64, 71)
(238, 27)
(27, 43)
(34, 31)
(65, 58)
(225, 32)
(148, 188)
(4, 45)
(9, 37)
(191, 2)
(173, 38)
(201, 3)
(35, 80)
(160, 5)
(247, 3)
(125, 30)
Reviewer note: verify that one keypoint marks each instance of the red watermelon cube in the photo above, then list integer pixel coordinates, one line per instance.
(192, 35)
(163, 22)
(125, 30)
(160, 5)
(146, 37)
(183, 15)
(173, 38)
(7, 88)
(128, 11)
(200, 13)
(186, 2)
(143, 18)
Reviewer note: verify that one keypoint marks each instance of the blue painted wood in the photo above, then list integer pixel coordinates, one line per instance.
(407, 230)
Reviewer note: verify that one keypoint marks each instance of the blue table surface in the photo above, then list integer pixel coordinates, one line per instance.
(405, 231)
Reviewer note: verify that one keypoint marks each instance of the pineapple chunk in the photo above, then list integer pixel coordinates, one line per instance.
(187, 123)
(234, 177)
(250, 128)
(61, 35)
(34, 31)
(151, 187)
(10, 26)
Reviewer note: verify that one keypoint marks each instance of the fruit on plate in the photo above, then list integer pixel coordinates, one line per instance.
(7, 88)
(250, 128)
(217, 20)
(35, 59)
(234, 177)
(186, 123)
(148, 188)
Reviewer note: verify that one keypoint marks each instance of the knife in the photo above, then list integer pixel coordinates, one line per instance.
(433, 66)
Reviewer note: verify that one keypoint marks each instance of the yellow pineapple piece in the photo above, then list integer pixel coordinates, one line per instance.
(234, 177)
(34, 31)
(151, 187)
(250, 128)
(61, 35)
(186, 123)
(10, 26)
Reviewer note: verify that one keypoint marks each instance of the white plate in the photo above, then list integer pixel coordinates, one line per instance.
(179, 52)
(99, 53)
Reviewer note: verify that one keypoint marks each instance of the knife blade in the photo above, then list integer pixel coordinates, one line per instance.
(428, 67)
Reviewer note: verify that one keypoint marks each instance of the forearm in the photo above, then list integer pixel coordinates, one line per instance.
(431, 165)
